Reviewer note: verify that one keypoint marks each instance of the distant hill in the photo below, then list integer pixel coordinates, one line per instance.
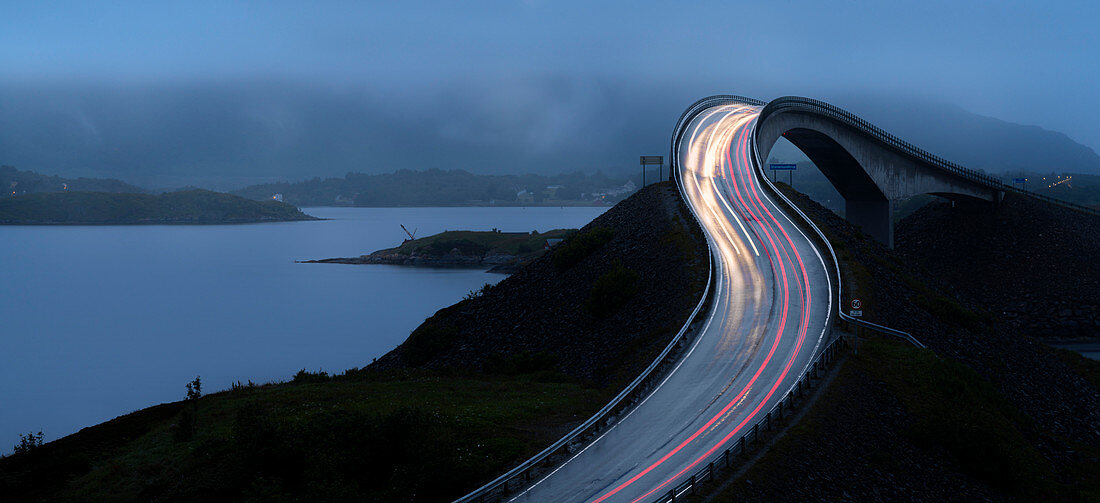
(446, 188)
(14, 182)
(976, 141)
(102, 208)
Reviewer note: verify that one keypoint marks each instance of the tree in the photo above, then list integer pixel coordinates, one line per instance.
(29, 442)
(194, 392)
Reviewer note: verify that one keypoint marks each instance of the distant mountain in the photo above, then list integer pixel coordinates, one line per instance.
(229, 135)
(976, 141)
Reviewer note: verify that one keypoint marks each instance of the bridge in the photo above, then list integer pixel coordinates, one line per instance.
(870, 168)
(771, 301)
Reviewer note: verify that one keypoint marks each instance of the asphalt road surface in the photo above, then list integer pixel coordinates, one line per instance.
(773, 301)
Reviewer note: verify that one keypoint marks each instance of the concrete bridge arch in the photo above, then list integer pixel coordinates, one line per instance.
(870, 168)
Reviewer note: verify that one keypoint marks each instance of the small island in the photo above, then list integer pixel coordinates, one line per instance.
(502, 252)
(104, 208)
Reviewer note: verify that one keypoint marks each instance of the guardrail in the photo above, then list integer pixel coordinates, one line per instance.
(810, 105)
(499, 486)
(729, 455)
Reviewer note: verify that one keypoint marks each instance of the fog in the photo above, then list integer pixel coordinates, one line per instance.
(256, 91)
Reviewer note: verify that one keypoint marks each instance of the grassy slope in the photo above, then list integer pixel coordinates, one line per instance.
(186, 207)
(365, 438)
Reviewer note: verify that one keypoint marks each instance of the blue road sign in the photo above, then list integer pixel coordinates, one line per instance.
(1019, 180)
(783, 167)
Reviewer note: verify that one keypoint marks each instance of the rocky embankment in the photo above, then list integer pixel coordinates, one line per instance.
(550, 313)
(988, 414)
(1035, 265)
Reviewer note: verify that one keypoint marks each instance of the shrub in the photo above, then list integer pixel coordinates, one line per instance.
(612, 290)
(428, 340)
(479, 292)
(580, 245)
(305, 376)
(949, 310)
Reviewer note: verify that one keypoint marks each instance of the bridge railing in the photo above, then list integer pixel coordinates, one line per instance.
(520, 475)
(810, 105)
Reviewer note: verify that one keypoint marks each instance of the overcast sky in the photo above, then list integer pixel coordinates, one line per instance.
(1027, 62)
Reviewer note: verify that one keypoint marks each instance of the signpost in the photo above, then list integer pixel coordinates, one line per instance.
(1021, 181)
(857, 309)
(652, 160)
(784, 167)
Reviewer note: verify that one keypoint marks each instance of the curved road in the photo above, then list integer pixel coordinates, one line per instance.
(770, 315)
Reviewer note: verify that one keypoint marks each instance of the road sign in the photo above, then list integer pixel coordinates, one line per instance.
(1019, 180)
(652, 160)
(857, 304)
(855, 313)
(783, 167)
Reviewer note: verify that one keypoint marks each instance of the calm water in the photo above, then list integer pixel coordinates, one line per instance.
(96, 322)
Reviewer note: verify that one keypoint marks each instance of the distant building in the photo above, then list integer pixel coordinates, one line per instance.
(550, 243)
(278, 197)
(626, 189)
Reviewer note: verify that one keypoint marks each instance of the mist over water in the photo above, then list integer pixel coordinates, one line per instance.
(101, 321)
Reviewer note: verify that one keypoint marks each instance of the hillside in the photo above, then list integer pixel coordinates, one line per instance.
(101, 208)
(14, 182)
(987, 413)
(421, 431)
(546, 310)
(1034, 265)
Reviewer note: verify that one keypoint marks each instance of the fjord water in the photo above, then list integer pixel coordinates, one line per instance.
(99, 321)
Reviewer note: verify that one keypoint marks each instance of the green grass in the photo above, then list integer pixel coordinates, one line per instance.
(361, 438)
(428, 340)
(955, 409)
(612, 290)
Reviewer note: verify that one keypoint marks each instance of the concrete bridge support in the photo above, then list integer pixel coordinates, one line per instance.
(870, 175)
(875, 217)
